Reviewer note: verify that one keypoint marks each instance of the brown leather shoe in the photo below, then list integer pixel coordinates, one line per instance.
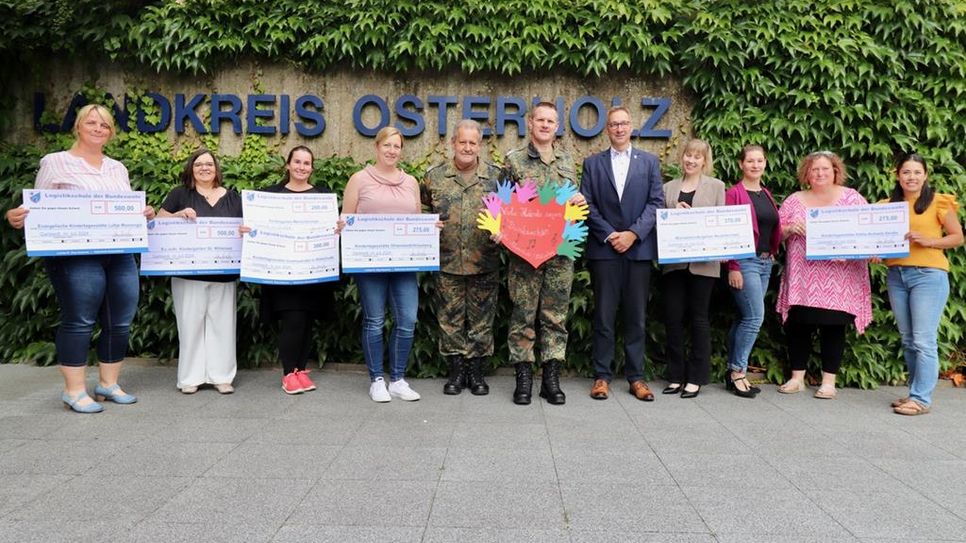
(599, 391)
(641, 392)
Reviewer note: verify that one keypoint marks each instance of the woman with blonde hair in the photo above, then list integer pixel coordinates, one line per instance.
(688, 286)
(819, 296)
(90, 288)
(384, 188)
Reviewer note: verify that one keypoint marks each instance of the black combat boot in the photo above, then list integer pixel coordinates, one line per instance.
(524, 390)
(550, 384)
(475, 381)
(457, 376)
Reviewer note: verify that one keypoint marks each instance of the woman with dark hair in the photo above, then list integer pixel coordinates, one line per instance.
(823, 296)
(919, 283)
(296, 307)
(89, 288)
(204, 305)
(749, 277)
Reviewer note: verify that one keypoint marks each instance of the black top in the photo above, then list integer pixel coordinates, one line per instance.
(229, 205)
(280, 187)
(687, 197)
(767, 219)
(315, 298)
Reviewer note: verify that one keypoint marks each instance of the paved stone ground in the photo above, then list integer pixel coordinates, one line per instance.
(333, 466)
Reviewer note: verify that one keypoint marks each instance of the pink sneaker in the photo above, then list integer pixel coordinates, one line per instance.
(291, 383)
(304, 380)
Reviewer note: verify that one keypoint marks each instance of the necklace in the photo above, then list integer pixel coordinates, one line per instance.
(210, 197)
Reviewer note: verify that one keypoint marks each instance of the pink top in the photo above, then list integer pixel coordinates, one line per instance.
(842, 285)
(64, 171)
(380, 195)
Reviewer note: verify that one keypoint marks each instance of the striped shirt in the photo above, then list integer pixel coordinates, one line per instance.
(64, 171)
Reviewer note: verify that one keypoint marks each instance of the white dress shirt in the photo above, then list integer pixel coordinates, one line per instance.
(620, 162)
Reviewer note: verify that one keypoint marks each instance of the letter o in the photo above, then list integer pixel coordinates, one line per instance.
(597, 104)
(361, 103)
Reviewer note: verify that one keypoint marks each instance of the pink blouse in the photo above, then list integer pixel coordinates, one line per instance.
(380, 195)
(842, 285)
(64, 171)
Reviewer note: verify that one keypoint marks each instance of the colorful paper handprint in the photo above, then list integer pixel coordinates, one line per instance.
(537, 225)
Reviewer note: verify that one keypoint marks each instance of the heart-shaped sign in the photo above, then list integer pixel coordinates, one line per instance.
(536, 224)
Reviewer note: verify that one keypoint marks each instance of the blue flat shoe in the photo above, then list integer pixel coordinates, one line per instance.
(72, 403)
(111, 394)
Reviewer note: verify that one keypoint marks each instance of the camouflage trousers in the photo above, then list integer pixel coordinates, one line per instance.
(541, 298)
(465, 309)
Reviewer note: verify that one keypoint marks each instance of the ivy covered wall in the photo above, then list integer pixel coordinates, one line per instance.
(863, 78)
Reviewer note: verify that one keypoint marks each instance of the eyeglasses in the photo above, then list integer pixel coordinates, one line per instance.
(621, 124)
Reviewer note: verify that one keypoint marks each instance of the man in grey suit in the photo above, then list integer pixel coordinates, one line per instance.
(622, 186)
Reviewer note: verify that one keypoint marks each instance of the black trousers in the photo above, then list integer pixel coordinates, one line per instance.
(294, 339)
(688, 296)
(620, 284)
(831, 338)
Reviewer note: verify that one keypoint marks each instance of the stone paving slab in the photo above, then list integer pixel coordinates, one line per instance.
(331, 465)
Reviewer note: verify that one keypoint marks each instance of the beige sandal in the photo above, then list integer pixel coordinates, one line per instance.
(792, 386)
(825, 393)
(900, 401)
(911, 408)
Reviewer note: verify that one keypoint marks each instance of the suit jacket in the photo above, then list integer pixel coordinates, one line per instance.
(710, 192)
(635, 211)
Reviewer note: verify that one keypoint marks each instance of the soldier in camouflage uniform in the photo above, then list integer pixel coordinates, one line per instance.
(467, 287)
(540, 296)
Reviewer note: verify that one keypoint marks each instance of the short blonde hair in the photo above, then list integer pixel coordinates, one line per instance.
(838, 166)
(102, 111)
(387, 132)
(704, 149)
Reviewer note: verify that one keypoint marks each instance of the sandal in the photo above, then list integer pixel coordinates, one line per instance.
(900, 401)
(792, 386)
(825, 393)
(911, 408)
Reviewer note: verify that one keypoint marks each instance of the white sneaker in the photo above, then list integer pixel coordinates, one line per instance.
(400, 389)
(378, 392)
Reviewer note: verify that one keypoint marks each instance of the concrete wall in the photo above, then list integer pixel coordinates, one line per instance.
(341, 89)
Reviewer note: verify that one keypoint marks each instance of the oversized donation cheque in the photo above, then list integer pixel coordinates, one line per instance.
(702, 234)
(373, 243)
(64, 222)
(536, 223)
(203, 246)
(857, 232)
(292, 239)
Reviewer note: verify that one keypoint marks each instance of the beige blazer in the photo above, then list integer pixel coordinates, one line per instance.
(710, 192)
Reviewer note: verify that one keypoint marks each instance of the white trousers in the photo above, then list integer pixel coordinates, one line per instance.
(206, 331)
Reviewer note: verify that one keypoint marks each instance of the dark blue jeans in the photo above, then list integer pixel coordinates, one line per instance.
(402, 292)
(89, 289)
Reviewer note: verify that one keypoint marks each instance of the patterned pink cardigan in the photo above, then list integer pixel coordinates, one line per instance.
(829, 284)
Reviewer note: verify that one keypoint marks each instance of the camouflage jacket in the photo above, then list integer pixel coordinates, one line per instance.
(464, 249)
(525, 163)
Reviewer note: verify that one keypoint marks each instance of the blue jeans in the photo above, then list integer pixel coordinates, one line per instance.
(89, 289)
(918, 297)
(402, 293)
(755, 273)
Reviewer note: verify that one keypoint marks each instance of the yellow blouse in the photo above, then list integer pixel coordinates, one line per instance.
(930, 224)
